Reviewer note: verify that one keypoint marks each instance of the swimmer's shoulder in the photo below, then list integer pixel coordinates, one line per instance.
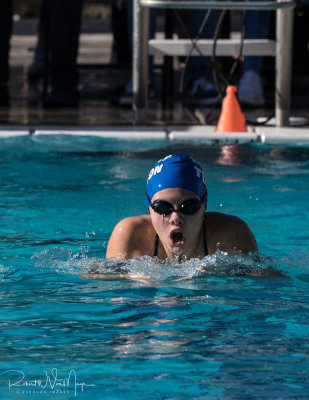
(137, 224)
(214, 217)
(131, 237)
(228, 233)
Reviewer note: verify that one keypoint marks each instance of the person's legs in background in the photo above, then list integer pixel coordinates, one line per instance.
(199, 86)
(6, 24)
(301, 40)
(250, 88)
(36, 68)
(127, 97)
(121, 51)
(64, 24)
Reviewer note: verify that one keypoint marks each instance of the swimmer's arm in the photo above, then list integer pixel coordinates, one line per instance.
(120, 273)
(236, 235)
(127, 239)
(126, 242)
(114, 277)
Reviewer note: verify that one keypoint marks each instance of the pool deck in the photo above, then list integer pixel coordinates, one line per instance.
(284, 136)
(99, 112)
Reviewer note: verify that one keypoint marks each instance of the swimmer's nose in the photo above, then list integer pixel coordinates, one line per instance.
(176, 218)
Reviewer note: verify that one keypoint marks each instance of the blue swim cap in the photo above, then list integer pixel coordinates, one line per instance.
(177, 171)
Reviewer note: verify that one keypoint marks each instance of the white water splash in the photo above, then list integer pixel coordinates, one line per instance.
(220, 264)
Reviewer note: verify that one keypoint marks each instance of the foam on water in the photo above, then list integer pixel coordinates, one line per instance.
(62, 261)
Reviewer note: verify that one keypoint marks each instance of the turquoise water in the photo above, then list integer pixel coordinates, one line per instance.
(221, 335)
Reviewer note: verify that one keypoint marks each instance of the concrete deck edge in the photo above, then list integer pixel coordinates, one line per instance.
(206, 134)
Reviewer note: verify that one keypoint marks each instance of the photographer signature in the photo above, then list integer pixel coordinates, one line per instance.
(51, 381)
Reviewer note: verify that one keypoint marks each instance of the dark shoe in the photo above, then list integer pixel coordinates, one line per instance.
(37, 68)
(4, 95)
(61, 99)
(126, 100)
(250, 89)
(36, 71)
(200, 92)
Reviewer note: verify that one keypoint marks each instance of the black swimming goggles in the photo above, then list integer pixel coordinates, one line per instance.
(188, 207)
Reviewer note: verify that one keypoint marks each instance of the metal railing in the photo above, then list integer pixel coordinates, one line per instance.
(281, 48)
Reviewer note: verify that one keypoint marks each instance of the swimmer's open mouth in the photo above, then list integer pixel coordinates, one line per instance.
(177, 237)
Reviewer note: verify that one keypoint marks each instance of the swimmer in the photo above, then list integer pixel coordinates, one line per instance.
(178, 227)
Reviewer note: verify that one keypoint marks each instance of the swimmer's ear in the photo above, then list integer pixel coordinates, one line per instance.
(204, 200)
(148, 202)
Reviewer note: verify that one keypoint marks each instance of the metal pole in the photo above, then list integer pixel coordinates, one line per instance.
(283, 65)
(140, 61)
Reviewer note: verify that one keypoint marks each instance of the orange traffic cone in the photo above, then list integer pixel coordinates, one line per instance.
(231, 118)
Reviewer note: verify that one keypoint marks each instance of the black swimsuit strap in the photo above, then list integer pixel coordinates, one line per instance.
(205, 239)
(156, 246)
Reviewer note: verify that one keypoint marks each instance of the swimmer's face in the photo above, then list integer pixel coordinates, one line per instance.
(179, 233)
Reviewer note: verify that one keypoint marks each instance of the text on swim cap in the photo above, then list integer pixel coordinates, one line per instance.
(200, 173)
(165, 158)
(156, 170)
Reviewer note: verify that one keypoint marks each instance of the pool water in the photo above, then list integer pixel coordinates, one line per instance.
(224, 334)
